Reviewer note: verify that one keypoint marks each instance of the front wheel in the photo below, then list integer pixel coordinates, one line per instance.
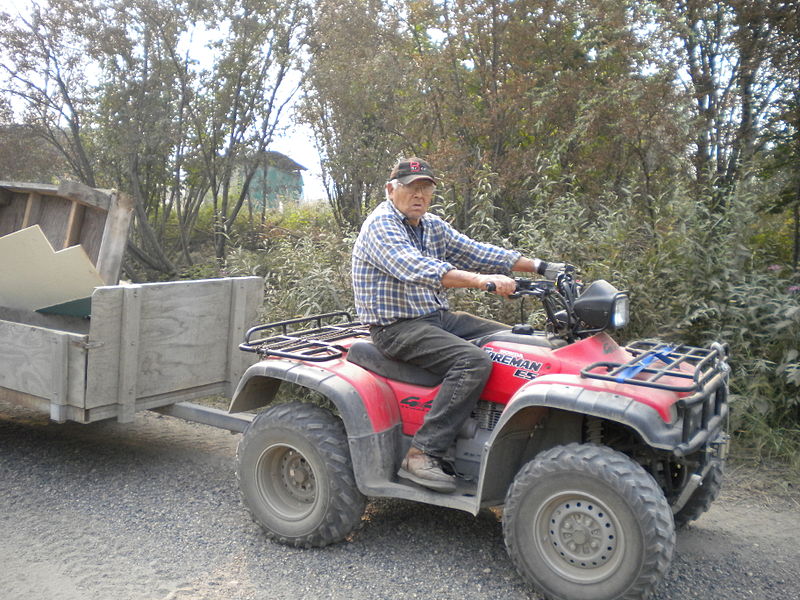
(296, 477)
(584, 522)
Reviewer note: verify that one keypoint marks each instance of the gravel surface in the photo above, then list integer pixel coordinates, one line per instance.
(150, 510)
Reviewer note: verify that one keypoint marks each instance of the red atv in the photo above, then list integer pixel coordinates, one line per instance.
(595, 451)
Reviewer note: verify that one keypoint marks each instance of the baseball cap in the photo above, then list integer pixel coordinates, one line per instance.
(410, 169)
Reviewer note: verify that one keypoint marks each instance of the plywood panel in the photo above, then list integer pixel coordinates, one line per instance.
(27, 358)
(94, 221)
(187, 337)
(32, 276)
(183, 337)
(13, 213)
(33, 208)
(54, 220)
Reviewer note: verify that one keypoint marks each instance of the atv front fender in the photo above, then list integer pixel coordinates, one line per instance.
(550, 411)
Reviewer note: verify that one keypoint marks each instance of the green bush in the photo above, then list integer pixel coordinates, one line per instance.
(305, 260)
(690, 273)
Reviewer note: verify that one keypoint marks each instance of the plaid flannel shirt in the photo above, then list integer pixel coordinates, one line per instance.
(398, 269)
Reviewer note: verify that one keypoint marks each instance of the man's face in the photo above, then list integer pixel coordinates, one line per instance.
(412, 199)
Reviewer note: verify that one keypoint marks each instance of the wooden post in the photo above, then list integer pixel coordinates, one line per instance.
(74, 224)
(32, 209)
(129, 353)
(236, 329)
(115, 237)
(58, 401)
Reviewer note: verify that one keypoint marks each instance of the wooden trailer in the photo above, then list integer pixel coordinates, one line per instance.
(124, 348)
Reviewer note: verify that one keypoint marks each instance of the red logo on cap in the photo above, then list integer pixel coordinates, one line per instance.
(415, 166)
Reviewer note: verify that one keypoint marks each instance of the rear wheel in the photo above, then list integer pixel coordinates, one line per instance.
(296, 477)
(584, 522)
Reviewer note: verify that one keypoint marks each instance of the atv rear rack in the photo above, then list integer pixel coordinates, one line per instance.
(695, 366)
(316, 344)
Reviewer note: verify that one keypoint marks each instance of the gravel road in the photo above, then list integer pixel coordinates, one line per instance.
(150, 511)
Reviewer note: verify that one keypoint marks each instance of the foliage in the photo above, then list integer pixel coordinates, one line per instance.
(305, 260)
(687, 283)
(653, 143)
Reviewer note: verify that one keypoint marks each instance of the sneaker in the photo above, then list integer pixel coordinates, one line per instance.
(426, 470)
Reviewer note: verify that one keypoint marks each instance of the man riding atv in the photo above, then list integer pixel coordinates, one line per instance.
(595, 451)
(402, 261)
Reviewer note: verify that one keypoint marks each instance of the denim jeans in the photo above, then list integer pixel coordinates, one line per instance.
(438, 343)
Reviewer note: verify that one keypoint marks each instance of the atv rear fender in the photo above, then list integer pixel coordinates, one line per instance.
(373, 427)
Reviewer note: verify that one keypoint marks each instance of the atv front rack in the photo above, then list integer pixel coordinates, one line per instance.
(317, 344)
(653, 361)
(699, 374)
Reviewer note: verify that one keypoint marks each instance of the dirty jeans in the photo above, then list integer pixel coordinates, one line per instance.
(438, 343)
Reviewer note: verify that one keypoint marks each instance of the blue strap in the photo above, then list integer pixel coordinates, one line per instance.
(630, 372)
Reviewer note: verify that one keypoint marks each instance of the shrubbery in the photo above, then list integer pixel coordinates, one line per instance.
(688, 281)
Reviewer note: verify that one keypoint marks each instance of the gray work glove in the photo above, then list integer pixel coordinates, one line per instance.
(552, 270)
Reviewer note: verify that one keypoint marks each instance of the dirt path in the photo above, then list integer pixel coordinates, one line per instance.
(149, 511)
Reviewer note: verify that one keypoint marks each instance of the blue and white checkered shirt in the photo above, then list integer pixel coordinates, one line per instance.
(398, 268)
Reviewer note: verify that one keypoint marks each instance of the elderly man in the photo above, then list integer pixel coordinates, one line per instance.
(403, 260)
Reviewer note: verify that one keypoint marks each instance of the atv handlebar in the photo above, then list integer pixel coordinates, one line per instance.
(526, 287)
(569, 314)
(539, 287)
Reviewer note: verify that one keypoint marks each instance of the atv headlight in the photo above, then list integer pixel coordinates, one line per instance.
(602, 306)
(621, 312)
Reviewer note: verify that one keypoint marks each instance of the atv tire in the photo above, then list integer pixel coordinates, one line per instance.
(700, 501)
(296, 477)
(584, 522)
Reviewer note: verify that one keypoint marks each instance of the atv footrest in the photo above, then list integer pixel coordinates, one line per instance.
(316, 344)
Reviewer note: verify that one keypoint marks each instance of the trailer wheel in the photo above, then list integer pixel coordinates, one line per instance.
(584, 522)
(701, 500)
(296, 477)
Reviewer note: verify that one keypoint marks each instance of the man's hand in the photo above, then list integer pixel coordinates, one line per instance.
(503, 286)
(553, 269)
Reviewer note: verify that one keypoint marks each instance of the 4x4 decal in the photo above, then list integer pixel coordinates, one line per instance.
(416, 403)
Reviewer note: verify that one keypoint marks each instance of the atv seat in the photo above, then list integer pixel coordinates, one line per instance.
(365, 354)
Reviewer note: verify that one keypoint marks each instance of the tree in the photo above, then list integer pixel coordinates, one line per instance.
(783, 131)
(45, 67)
(23, 155)
(115, 87)
(722, 50)
(355, 99)
(504, 98)
(241, 100)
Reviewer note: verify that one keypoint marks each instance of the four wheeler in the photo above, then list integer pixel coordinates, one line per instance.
(595, 451)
